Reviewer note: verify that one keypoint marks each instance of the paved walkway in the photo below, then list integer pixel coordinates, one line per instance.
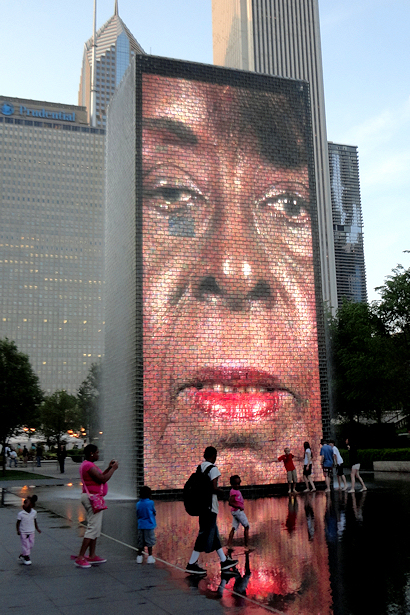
(54, 586)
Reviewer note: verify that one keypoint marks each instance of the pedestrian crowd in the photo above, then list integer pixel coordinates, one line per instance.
(200, 499)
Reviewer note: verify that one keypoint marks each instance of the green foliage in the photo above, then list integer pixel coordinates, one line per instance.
(361, 362)
(58, 413)
(20, 393)
(394, 310)
(371, 353)
(74, 452)
(394, 306)
(89, 400)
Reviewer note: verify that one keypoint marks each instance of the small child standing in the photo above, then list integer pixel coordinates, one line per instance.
(26, 526)
(146, 525)
(237, 509)
(287, 459)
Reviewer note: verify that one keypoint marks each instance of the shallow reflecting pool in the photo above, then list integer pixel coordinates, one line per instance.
(341, 553)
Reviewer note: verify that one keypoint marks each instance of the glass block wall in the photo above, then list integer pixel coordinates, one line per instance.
(212, 274)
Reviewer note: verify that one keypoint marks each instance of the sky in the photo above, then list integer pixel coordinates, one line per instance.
(366, 69)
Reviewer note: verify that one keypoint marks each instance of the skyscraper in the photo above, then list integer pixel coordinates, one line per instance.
(282, 37)
(51, 238)
(51, 200)
(347, 222)
(115, 46)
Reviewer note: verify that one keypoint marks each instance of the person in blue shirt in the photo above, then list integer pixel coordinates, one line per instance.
(326, 458)
(146, 525)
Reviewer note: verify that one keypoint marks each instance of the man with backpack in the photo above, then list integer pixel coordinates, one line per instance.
(208, 538)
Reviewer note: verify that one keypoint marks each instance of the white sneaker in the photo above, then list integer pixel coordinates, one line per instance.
(150, 560)
(140, 559)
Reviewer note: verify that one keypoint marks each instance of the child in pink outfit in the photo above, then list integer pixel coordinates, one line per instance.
(26, 526)
(237, 509)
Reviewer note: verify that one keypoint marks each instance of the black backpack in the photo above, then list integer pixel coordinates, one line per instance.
(198, 492)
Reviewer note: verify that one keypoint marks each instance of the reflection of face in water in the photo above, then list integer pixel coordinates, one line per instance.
(230, 344)
(288, 571)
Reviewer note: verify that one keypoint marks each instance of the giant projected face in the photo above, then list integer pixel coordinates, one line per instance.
(230, 342)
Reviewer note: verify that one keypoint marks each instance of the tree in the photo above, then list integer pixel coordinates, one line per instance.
(89, 398)
(363, 364)
(58, 413)
(20, 392)
(394, 305)
(394, 310)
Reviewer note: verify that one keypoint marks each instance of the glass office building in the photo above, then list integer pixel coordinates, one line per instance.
(282, 38)
(51, 238)
(115, 46)
(347, 223)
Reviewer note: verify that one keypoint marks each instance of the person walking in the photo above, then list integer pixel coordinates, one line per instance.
(39, 454)
(338, 460)
(237, 504)
(25, 456)
(147, 523)
(354, 464)
(95, 482)
(13, 458)
(208, 538)
(61, 456)
(326, 459)
(26, 526)
(307, 467)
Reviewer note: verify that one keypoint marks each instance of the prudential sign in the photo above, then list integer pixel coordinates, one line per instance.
(8, 109)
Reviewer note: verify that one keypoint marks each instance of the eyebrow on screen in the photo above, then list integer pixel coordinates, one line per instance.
(178, 129)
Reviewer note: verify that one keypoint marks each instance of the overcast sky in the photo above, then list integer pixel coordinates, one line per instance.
(365, 52)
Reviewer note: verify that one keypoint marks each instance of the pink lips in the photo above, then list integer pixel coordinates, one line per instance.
(242, 395)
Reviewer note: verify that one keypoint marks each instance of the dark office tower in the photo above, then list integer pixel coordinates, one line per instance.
(282, 37)
(115, 46)
(347, 223)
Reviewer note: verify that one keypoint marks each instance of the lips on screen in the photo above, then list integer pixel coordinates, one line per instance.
(229, 322)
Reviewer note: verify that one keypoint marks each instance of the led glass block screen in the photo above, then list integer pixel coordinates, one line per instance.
(230, 344)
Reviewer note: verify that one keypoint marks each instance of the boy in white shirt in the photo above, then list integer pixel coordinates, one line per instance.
(339, 466)
(26, 526)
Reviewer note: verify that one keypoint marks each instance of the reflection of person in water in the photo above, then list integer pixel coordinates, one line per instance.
(230, 340)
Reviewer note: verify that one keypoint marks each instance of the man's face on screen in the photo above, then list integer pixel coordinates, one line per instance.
(230, 344)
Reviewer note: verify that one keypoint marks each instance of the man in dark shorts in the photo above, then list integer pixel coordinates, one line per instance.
(326, 459)
(208, 539)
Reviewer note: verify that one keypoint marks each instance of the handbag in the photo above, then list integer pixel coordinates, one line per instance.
(96, 499)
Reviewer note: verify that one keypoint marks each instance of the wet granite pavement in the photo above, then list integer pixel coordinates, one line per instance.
(312, 554)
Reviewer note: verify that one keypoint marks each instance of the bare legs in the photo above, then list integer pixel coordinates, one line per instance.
(355, 474)
(231, 534)
(309, 479)
(88, 543)
(340, 480)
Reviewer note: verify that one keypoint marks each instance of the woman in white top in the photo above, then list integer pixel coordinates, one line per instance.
(307, 467)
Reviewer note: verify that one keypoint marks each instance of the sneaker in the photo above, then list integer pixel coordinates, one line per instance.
(26, 560)
(228, 563)
(151, 559)
(21, 559)
(81, 562)
(194, 569)
(140, 559)
(96, 560)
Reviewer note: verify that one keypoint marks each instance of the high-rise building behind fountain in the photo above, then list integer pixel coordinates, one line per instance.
(51, 202)
(347, 223)
(282, 37)
(115, 46)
